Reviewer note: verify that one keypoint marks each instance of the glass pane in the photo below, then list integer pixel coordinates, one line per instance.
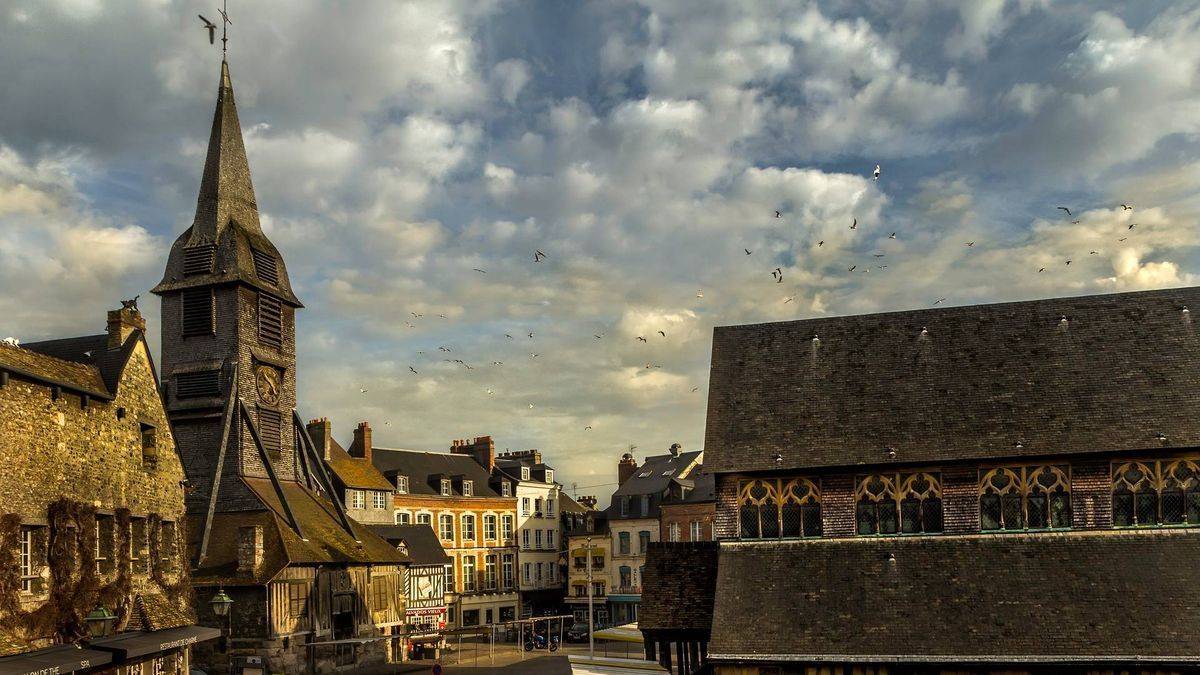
(1193, 508)
(1122, 509)
(1013, 518)
(1146, 505)
(1060, 510)
(1172, 507)
(910, 516)
(812, 518)
(791, 520)
(989, 512)
(1036, 507)
(749, 518)
(866, 518)
(770, 520)
(931, 514)
(887, 517)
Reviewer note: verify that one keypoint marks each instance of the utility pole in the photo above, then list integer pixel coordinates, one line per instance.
(591, 624)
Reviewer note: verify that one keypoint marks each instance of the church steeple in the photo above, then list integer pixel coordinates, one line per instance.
(226, 192)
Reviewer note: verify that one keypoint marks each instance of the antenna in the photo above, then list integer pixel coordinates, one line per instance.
(225, 24)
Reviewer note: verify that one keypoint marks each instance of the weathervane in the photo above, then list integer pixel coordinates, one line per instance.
(225, 24)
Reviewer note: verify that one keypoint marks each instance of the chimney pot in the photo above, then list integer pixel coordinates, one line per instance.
(121, 324)
(361, 447)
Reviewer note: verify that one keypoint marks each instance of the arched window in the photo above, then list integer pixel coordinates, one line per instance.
(1161, 492)
(899, 503)
(770, 508)
(1025, 498)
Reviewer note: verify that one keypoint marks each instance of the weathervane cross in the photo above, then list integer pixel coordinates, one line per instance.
(225, 24)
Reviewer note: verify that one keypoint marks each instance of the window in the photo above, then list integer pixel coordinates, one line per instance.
(597, 588)
(168, 543)
(623, 502)
(468, 488)
(643, 541)
(470, 617)
(528, 573)
(403, 518)
(27, 567)
(538, 567)
(904, 503)
(549, 476)
(489, 527)
(446, 526)
(506, 563)
(626, 576)
(489, 572)
(524, 506)
(550, 572)
(524, 538)
(199, 259)
(468, 527)
(524, 473)
(537, 538)
(149, 446)
(537, 507)
(645, 505)
(1025, 498)
(445, 487)
(424, 518)
(270, 431)
(1159, 492)
(104, 543)
(380, 499)
(550, 539)
(355, 499)
(673, 532)
(623, 547)
(695, 533)
(270, 321)
(506, 528)
(549, 508)
(138, 544)
(450, 583)
(198, 312)
(197, 385)
(760, 514)
(298, 600)
(401, 485)
(264, 266)
(487, 616)
(505, 488)
(380, 597)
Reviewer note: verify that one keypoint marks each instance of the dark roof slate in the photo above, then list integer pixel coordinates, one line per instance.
(656, 466)
(981, 380)
(355, 472)
(678, 586)
(703, 489)
(424, 547)
(421, 466)
(1098, 596)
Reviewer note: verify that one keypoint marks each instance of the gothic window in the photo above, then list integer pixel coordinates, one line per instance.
(788, 507)
(1025, 498)
(1159, 492)
(899, 503)
(195, 385)
(270, 321)
(197, 312)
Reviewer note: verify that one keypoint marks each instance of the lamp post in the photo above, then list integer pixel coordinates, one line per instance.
(591, 626)
(221, 603)
(100, 622)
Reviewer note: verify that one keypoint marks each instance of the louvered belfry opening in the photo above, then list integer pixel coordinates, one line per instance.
(265, 266)
(270, 429)
(270, 321)
(199, 259)
(194, 385)
(198, 312)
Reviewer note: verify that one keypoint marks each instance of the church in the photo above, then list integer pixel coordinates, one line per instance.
(310, 588)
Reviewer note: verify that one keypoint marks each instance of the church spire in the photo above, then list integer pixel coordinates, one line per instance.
(226, 193)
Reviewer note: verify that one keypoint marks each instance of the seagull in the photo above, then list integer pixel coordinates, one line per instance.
(444, 348)
(410, 324)
(881, 267)
(361, 390)
(538, 255)
(1132, 225)
(788, 299)
(1063, 208)
(662, 333)
(1126, 207)
(970, 244)
(441, 316)
(854, 225)
(747, 251)
(651, 365)
(497, 363)
(778, 274)
(641, 339)
(851, 268)
(212, 29)
(939, 301)
(491, 391)
(415, 315)
(820, 243)
(414, 370)
(695, 389)
(878, 255)
(479, 270)
(1122, 238)
(589, 427)
(700, 294)
(1076, 222)
(892, 235)
(777, 214)
(875, 175)
(1093, 252)
(1068, 261)
(508, 336)
(530, 335)
(531, 406)
(533, 356)
(1043, 269)
(601, 335)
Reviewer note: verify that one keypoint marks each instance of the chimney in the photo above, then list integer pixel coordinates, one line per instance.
(361, 447)
(250, 549)
(482, 450)
(676, 449)
(626, 468)
(321, 433)
(122, 323)
(588, 502)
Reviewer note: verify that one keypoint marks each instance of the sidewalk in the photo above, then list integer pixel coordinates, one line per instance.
(542, 665)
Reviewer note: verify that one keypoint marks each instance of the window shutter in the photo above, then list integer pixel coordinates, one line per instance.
(265, 266)
(194, 385)
(199, 259)
(270, 321)
(270, 428)
(197, 312)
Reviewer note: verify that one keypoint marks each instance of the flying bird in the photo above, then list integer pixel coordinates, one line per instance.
(415, 315)
(1068, 261)
(854, 225)
(700, 294)
(875, 175)
(695, 389)
(497, 363)
(444, 348)
(778, 274)
(1076, 222)
(361, 390)
(851, 268)
(1063, 208)
(747, 251)
(414, 370)
(1132, 225)
(531, 406)
(662, 333)
(820, 243)
(939, 301)
(1122, 238)
(491, 391)
(878, 255)
(1093, 252)
(588, 428)
(530, 335)
(508, 336)
(538, 255)
(777, 214)
(410, 324)
(599, 336)
(969, 244)
(641, 339)
(788, 299)
(533, 356)
(651, 365)
(1043, 269)
(892, 235)
(479, 270)
(212, 29)
(1126, 207)
(441, 316)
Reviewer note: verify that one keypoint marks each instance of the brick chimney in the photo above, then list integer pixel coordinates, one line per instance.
(122, 323)
(361, 447)
(483, 450)
(626, 468)
(250, 549)
(588, 502)
(321, 433)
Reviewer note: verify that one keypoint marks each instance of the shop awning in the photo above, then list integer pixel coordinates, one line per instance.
(134, 644)
(56, 659)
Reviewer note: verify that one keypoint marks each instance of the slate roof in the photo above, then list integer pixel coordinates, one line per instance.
(152, 611)
(424, 547)
(981, 380)
(703, 489)
(420, 466)
(567, 504)
(1090, 596)
(355, 472)
(656, 482)
(83, 365)
(678, 586)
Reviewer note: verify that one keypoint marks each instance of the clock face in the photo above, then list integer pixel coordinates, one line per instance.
(267, 381)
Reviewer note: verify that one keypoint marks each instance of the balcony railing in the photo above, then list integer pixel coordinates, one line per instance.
(627, 590)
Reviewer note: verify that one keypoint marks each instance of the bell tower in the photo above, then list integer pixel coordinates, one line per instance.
(228, 332)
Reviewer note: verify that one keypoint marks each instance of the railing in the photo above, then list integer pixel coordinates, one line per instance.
(627, 590)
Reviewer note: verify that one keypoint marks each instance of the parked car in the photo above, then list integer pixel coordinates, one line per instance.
(578, 632)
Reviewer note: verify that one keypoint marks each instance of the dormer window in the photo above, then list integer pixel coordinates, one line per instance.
(524, 473)
(401, 485)
(645, 474)
(445, 487)
(668, 472)
(549, 475)
(468, 488)
(505, 489)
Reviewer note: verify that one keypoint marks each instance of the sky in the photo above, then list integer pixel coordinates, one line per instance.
(643, 146)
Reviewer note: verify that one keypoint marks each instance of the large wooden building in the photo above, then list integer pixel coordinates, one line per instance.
(311, 587)
(998, 488)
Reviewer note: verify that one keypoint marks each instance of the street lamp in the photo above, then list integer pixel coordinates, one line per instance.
(100, 622)
(221, 603)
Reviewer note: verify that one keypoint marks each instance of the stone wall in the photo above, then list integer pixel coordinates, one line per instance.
(683, 515)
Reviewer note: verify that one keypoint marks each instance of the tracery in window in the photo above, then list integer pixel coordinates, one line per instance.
(1158, 492)
(787, 507)
(1025, 498)
(899, 503)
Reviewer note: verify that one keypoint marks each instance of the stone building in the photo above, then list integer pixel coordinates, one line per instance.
(633, 520)
(588, 536)
(309, 584)
(364, 492)
(996, 488)
(458, 497)
(91, 509)
(687, 512)
(539, 528)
